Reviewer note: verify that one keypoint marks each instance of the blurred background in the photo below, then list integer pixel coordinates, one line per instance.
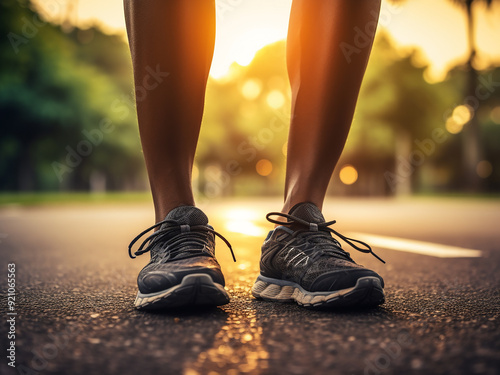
(427, 121)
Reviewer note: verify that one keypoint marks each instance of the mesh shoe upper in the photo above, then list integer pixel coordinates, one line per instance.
(184, 244)
(307, 254)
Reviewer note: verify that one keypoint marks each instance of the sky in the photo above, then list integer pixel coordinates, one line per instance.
(436, 27)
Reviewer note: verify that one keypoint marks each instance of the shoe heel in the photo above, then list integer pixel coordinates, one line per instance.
(273, 292)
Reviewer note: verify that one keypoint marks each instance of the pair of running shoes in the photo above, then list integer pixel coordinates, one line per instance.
(300, 262)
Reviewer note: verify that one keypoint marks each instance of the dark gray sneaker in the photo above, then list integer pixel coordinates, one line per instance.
(302, 262)
(183, 271)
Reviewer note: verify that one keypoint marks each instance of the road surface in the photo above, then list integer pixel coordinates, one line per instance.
(75, 287)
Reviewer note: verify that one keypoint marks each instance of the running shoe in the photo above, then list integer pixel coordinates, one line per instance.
(183, 271)
(302, 262)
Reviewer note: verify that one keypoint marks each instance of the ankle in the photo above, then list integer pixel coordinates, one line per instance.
(291, 203)
(161, 211)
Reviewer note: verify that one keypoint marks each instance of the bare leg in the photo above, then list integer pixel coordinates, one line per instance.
(175, 37)
(325, 88)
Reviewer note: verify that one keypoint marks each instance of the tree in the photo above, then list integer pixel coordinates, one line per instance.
(66, 106)
(472, 147)
(397, 117)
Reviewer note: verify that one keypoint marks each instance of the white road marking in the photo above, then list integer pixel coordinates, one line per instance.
(418, 247)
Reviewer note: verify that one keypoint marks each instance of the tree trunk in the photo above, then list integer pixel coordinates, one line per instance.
(26, 170)
(471, 135)
(404, 169)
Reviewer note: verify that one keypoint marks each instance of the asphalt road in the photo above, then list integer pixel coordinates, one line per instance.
(75, 287)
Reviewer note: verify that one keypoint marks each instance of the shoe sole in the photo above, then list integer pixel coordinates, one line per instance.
(196, 289)
(367, 292)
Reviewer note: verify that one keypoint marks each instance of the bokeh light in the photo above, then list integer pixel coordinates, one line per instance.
(348, 175)
(495, 115)
(264, 167)
(275, 99)
(453, 127)
(462, 114)
(484, 169)
(251, 89)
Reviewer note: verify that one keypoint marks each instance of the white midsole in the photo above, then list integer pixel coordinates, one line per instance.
(264, 288)
(144, 299)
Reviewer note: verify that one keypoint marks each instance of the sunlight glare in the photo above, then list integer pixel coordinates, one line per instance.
(243, 221)
(251, 41)
(242, 50)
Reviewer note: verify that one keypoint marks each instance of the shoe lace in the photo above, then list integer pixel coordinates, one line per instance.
(316, 231)
(164, 238)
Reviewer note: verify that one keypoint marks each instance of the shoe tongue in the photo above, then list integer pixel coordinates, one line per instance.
(312, 214)
(187, 215)
(308, 212)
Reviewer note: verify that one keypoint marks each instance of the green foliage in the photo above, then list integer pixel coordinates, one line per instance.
(53, 86)
(56, 88)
